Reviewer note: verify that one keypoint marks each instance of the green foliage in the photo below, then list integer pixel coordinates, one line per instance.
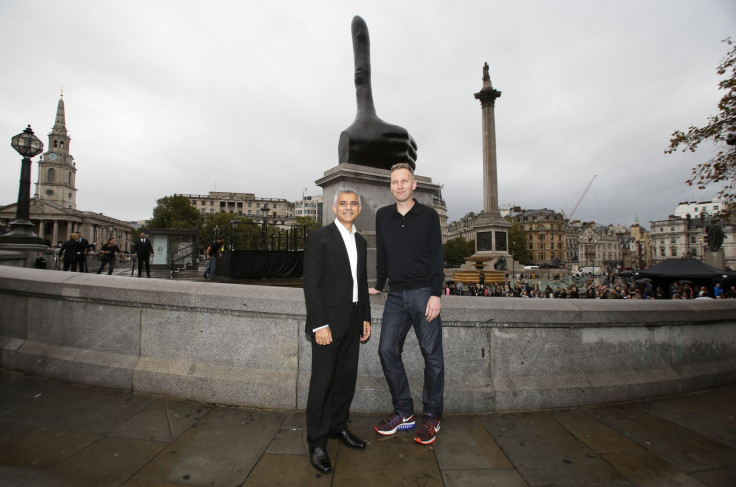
(456, 250)
(720, 130)
(220, 221)
(518, 243)
(310, 223)
(174, 212)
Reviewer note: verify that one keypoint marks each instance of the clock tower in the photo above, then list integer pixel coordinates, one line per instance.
(57, 171)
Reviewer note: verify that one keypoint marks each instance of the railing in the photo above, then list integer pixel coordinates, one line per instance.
(186, 258)
(242, 236)
(265, 236)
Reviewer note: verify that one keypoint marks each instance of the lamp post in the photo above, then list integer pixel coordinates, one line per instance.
(700, 239)
(21, 229)
(264, 233)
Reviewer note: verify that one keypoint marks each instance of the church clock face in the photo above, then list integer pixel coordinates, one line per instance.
(52, 156)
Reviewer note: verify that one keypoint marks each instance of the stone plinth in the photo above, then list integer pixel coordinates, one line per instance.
(374, 187)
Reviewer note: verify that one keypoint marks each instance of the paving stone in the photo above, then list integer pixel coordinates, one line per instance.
(221, 449)
(163, 420)
(483, 478)
(545, 453)
(282, 470)
(686, 449)
(463, 444)
(43, 408)
(18, 388)
(599, 437)
(720, 477)
(647, 470)
(289, 442)
(16, 476)
(110, 462)
(38, 448)
(147, 483)
(393, 460)
(717, 421)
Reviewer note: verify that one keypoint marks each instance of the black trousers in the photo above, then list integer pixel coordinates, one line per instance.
(332, 385)
(141, 260)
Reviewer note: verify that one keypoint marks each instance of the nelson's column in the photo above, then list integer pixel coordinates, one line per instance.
(491, 230)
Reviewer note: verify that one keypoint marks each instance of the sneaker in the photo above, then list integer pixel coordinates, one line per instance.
(395, 422)
(427, 432)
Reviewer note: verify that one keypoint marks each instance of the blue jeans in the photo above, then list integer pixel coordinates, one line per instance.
(403, 310)
(210, 267)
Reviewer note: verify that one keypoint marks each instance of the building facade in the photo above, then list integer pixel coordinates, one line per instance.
(53, 208)
(545, 233)
(309, 207)
(276, 210)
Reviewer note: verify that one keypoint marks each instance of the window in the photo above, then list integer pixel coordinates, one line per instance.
(531, 246)
(715, 208)
(693, 240)
(51, 175)
(673, 240)
(674, 252)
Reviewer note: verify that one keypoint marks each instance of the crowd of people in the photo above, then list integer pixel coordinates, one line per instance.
(643, 290)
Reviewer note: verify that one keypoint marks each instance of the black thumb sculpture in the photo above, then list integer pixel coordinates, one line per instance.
(370, 141)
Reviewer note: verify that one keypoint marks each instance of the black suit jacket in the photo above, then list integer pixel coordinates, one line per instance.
(143, 249)
(328, 282)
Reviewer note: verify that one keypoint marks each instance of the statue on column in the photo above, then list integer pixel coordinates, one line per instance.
(714, 235)
(370, 141)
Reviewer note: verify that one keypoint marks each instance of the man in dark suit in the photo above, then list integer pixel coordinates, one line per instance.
(69, 251)
(144, 251)
(84, 246)
(338, 319)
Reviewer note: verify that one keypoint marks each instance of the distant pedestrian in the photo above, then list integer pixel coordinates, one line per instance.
(70, 252)
(213, 253)
(144, 251)
(108, 252)
(84, 246)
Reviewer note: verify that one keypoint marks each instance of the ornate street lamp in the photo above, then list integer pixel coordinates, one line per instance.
(264, 231)
(21, 229)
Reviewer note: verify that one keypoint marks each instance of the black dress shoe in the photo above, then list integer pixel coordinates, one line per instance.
(320, 460)
(350, 440)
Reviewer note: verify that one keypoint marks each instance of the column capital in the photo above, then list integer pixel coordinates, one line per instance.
(487, 97)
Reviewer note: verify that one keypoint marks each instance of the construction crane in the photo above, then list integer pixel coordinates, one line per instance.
(579, 201)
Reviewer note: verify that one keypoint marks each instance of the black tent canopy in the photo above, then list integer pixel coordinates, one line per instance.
(684, 269)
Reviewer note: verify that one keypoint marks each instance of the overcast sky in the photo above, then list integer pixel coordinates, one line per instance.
(166, 97)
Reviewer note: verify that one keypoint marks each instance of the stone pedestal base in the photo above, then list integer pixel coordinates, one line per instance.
(25, 255)
(374, 187)
(715, 259)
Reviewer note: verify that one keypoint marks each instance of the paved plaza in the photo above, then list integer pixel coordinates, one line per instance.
(54, 433)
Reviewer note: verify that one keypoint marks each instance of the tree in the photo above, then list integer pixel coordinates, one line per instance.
(721, 131)
(175, 212)
(517, 243)
(308, 222)
(455, 251)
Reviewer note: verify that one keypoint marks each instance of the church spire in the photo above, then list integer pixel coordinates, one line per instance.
(59, 128)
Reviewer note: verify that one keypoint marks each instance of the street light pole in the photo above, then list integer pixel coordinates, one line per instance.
(21, 229)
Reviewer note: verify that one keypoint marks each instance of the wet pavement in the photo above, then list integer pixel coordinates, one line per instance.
(54, 433)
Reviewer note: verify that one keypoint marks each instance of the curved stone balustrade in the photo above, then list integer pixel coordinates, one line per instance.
(244, 345)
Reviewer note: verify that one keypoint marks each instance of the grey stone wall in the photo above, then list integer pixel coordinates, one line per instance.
(244, 345)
